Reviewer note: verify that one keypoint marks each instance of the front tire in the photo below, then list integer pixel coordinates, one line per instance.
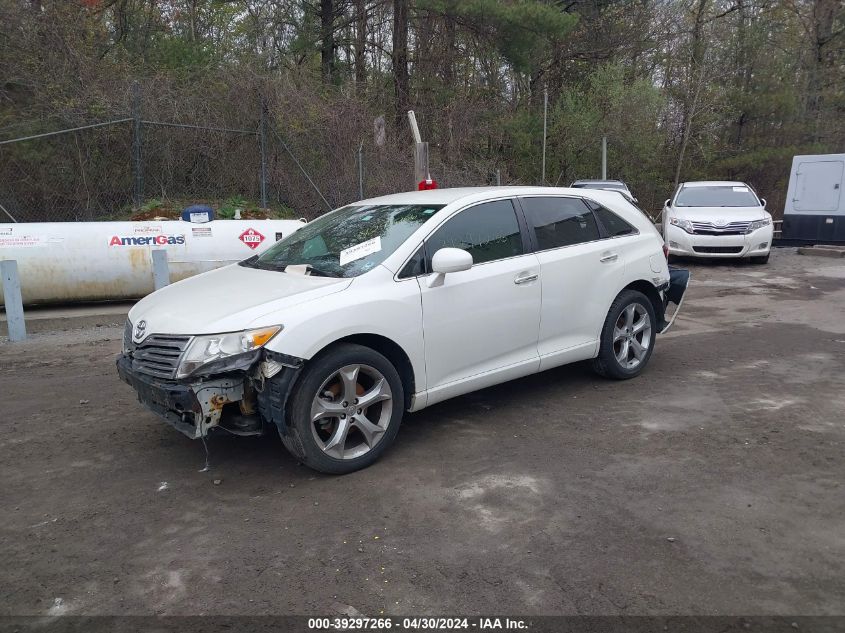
(345, 410)
(627, 337)
(760, 259)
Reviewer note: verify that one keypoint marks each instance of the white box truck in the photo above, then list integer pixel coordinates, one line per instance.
(814, 212)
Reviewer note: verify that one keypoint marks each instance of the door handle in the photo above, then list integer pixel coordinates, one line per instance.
(609, 257)
(525, 278)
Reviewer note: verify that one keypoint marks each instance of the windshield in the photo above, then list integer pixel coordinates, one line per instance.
(718, 196)
(347, 242)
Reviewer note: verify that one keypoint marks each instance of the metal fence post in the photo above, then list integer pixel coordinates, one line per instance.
(161, 272)
(262, 144)
(137, 173)
(545, 127)
(604, 158)
(13, 301)
(361, 171)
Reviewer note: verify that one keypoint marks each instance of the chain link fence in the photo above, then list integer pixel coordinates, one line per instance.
(137, 167)
(78, 174)
(128, 167)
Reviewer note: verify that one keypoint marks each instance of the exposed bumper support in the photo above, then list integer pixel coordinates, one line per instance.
(195, 408)
(273, 396)
(675, 293)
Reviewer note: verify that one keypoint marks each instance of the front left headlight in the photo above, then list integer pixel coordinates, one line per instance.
(215, 353)
(758, 224)
(684, 225)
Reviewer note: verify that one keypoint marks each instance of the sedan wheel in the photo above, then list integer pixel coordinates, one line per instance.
(627, 336)
(351, 411)
(345, 409)
(632, 336)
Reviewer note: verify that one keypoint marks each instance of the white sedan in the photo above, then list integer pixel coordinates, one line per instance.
(717, 219)
(393, 304)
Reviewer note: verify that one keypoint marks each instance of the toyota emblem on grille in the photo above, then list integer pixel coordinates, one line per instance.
(140, 328)
(721, 222)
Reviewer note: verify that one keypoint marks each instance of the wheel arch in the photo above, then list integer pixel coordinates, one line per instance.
(389, 349)
(647, 288)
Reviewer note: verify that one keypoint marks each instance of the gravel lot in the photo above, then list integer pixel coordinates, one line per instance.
(712, 484)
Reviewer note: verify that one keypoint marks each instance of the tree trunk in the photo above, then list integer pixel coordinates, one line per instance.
(824, 60)
(401, 79)
(360, 43)
(695, 83)
(327, 43)
(449, 51)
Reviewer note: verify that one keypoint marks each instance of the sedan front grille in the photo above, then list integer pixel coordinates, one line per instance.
(159, 354)
(718, 249)
(710, 228)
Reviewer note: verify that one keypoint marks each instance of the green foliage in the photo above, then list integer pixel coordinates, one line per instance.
(702, 89)
(231, 205)
(627, 112)
(523, 31)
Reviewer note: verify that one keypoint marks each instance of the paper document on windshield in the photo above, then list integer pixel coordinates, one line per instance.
(360, 250)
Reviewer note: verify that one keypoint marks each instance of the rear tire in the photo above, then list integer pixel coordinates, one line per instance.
(760, 259)
(345, 410)
(627, 337)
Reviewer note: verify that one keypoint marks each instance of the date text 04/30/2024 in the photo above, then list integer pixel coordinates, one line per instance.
(416, 624)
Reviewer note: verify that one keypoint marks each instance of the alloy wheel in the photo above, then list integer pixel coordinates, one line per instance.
(632, 336)
(351, 411)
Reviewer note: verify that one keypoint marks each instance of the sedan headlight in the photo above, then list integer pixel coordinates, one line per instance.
(215, 353)
(682, 224)
(758, 224)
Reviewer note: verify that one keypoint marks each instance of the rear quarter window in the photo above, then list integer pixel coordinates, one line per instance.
(560, 221)
(612, 223)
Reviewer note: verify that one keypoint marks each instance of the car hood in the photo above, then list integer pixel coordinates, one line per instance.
(229, 299)
(709, 214)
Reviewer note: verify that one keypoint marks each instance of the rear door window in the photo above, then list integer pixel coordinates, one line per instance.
(560, 221)
(487, 231)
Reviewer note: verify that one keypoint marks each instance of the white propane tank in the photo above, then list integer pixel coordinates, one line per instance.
(93, 261)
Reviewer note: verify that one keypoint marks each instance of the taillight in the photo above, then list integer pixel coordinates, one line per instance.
(666, 251)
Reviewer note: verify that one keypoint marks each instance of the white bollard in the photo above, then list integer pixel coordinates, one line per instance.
(13, 301)
(161, 272)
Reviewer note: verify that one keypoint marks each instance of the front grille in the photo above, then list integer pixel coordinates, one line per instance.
(717, 249)
(158, 355)
(731, 228)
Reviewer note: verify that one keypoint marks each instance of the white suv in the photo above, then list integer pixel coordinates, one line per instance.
(717, 219)
(396, 303)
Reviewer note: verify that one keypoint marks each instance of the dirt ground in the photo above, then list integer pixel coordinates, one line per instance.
(712, 484)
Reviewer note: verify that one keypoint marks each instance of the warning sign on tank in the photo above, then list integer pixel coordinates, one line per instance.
(251, 238)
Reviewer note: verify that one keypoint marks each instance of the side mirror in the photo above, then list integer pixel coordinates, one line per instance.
(668, 202)
(763, 202)
(451, 260)
(448, 260)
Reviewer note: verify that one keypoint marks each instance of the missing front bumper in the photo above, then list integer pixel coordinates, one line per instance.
(192, 409)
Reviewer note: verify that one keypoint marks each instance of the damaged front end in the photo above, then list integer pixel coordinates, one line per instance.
(240, 393)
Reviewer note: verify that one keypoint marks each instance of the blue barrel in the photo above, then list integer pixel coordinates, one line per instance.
(198, 214)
